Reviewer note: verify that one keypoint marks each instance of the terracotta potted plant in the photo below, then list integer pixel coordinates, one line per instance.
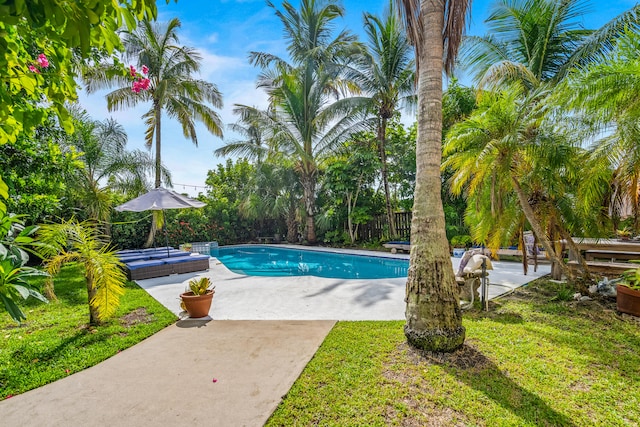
(623, 234)
(197, 301)
(628, 293)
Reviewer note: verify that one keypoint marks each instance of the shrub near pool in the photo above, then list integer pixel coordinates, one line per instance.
(531, 361)
(55, 340)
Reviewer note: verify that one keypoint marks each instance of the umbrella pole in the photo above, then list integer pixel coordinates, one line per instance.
(164, 226)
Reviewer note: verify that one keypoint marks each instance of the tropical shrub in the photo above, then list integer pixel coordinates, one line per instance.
(14, 273)
(73, 241)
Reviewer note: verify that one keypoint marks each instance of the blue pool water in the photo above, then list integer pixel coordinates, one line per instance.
(254, 260)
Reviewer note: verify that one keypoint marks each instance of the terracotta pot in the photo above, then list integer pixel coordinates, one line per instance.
(628, 300)
(197, 305)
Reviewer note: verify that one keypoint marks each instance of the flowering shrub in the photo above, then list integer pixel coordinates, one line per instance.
(140, 80)
(41, 62)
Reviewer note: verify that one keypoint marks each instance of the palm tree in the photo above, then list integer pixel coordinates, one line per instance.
(107, 165)
(608, 93)
(385, 73)
(172, 88)
(277, 190)
(303, 123)
(505, 153)
(72, 241)
(434, 319)
(538, 41)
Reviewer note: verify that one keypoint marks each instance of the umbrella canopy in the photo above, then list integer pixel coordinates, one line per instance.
(159, 199)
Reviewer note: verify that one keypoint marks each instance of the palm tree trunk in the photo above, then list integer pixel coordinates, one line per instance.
(434, 318)
(93, 310)
(158, 172)
(537, 228)
(382, 132)
(309, 194)
(158, 114)
(292, 225)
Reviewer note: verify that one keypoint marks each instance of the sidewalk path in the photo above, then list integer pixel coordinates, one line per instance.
(167, 380)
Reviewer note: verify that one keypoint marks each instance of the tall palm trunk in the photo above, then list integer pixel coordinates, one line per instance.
(382, 134)
(537, 228)
(158, 118)
(308, 181)
(158, 171)
(292, 224)
(434, 318)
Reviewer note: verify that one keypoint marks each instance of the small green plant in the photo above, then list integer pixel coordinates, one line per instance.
(461, 241)
(564, 293)
(623, 233)
(201, 286)
(631, 279)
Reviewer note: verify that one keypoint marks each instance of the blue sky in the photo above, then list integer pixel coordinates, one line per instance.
(224, 32)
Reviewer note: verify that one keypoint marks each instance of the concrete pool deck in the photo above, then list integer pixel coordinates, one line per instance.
(265, 331)
(241, 297)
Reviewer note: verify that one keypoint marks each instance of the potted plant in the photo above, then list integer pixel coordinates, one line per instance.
(460, 244)
(628, 293)
(623, 234)
(186, 247)
(197, 300)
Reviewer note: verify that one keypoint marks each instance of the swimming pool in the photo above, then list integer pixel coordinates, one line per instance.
(254, 260)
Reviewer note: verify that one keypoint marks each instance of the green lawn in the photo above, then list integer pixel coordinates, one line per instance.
(55, 340)
(531, 361)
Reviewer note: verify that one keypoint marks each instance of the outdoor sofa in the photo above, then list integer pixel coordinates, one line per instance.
(158, 262)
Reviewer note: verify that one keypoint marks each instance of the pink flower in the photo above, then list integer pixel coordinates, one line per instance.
(145, 69)
(33, 69)
(43, 61)
(144, 83)
(132, 70)
(66, 371)
(136, 87)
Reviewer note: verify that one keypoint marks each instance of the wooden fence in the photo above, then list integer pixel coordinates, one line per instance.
(378, 228)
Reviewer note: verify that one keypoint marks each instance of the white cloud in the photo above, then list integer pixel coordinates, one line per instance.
(213, 38)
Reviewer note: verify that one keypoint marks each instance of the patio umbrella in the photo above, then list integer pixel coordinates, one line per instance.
(160, 199)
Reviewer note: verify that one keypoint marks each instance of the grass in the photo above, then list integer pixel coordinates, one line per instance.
(56, 341)
(533, 360)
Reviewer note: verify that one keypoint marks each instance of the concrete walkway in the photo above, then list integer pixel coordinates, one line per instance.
(167, 380)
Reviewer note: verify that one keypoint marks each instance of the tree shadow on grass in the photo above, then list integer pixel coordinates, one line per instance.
(476, 370)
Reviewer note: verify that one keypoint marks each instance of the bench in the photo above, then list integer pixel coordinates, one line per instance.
(398, 246)
(605, 267)
(265, 239)
(594, 254)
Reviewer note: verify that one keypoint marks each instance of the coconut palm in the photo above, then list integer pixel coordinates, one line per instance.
(277, 187)
(309, 143)
(73, 241)
(106, 165)
(171, 89)
(434, 319)
(303, 123)
(385, 73)
(537, 41)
